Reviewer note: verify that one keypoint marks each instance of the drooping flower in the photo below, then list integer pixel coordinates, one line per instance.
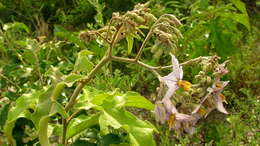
(216, 89)
(174, 79)
(219, 98)
(165, 110)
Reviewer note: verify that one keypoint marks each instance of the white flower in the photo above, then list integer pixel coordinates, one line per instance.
(174, 79)
(219, 98)
(165, 110)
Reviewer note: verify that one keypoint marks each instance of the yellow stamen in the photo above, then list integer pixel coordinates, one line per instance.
(184, 84)
(202, 111)
(223, 98)
(171, 121)
(219, 85)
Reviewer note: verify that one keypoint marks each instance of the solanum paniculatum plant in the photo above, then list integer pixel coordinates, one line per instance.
(197, 99)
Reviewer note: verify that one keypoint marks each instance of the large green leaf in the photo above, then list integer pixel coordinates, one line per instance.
(239, 18)
(134, 99)
(140, 131)
(47, 106)
(81, 123)
(43, 107)
(22, 104)
(16, 25)
(111, 105)
(129, 99)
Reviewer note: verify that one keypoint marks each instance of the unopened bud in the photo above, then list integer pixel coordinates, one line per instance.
(150, 17)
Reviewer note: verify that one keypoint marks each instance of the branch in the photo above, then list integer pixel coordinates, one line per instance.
(184, 63)
(114, 38)
(134, 61)
(103, 38)
(143, 44)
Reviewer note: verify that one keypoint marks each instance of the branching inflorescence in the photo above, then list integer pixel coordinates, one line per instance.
(197, 99)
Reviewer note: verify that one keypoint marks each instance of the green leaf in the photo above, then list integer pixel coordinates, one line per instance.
(240, 5)
(134, 99)
(239, 18)
(82, 63)
(72, 78)
(23, 103)
(3, 114)
(111, 105)
(43, 107)
(16, 25)
(58, 108)
(81, 123)
(140, 131)
(130, 42)
(62, 33)
(43, 131)
(47, 106)
(8, 130)
(243, 19)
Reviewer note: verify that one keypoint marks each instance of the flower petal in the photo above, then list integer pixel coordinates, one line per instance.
(170, 92)
(177, 69)
(160, 112)
(219, 105)
(184, 117)
(169, 106)
(202, 101)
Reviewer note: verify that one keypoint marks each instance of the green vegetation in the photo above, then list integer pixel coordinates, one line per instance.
(107, 72)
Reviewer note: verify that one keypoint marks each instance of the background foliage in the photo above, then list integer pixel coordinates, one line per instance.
(39, 46)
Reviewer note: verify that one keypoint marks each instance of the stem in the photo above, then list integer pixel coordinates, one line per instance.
(134, 61)
(74, 115)
(82, 83)
(64, 132)
(184, 63)
(143, 44)
(103, 38)
(17, 86)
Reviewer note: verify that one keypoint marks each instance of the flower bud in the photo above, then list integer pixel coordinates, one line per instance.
(158, 53)
(208, 80)
(174, 20)
(150, 17)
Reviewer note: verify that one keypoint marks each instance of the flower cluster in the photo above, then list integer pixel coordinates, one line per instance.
(125, 25)
(167, 35)
(207, 89)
